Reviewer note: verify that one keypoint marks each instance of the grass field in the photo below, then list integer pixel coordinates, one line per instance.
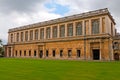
(36, 69)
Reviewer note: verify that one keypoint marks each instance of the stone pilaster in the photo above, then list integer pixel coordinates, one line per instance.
(74, 29)
(90, 27)
(38, 34)
(58, 31)
(51, 32)
(66, 30)
(100, 25)
(44, 32)
(83, 27)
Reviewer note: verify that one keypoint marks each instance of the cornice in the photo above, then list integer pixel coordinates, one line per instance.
(65, 19)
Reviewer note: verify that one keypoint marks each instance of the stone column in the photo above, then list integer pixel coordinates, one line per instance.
(29, 35)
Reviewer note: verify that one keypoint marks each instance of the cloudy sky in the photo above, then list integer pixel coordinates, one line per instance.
(15, 13)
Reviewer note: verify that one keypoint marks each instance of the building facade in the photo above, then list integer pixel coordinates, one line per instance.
(86, 36)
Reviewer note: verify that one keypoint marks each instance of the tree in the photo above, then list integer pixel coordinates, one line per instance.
(1, 49)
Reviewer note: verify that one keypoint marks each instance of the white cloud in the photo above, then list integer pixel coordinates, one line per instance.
(16, 19)
(21, 12)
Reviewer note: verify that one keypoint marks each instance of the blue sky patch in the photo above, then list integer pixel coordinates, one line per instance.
(59, 9)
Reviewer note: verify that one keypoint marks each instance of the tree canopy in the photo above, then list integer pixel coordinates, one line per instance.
(1, 48)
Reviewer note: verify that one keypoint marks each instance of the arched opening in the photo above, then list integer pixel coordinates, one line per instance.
(116, 56)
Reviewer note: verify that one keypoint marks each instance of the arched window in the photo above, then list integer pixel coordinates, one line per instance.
(26, 36)
(17, 37)
(95, 26)
(22, 36)
(31, 35)
(11, 38)
(55, 32)
(42, 33)
(36, 34)
(48, 33)
(78, 28)
(70, 29)
(62, 31)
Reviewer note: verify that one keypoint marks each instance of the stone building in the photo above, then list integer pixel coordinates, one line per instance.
(85, 36)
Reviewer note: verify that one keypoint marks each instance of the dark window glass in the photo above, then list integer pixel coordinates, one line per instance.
(78, 53)
(47, 53)
(16, 53)
(24, 53)
(54, 53)
(20, 53)
(61, 53)
(69, 53)
(35, 53)
(29, 52)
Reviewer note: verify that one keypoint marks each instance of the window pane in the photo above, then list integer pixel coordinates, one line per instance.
(62, 31)
(78, 28)
(70, 29)
(42, 33)
(26, 36)
(95, 27)
(31, 35)
(36, 34)
(55, 32)
(22, 36)
(17, 37)
(11, 38)
(48, 33)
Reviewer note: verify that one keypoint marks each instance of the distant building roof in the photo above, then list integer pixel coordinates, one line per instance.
(65, 19)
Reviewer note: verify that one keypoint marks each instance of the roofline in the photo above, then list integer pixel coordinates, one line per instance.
(65, 19)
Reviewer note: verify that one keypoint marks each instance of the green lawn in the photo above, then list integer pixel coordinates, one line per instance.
(36, 69)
